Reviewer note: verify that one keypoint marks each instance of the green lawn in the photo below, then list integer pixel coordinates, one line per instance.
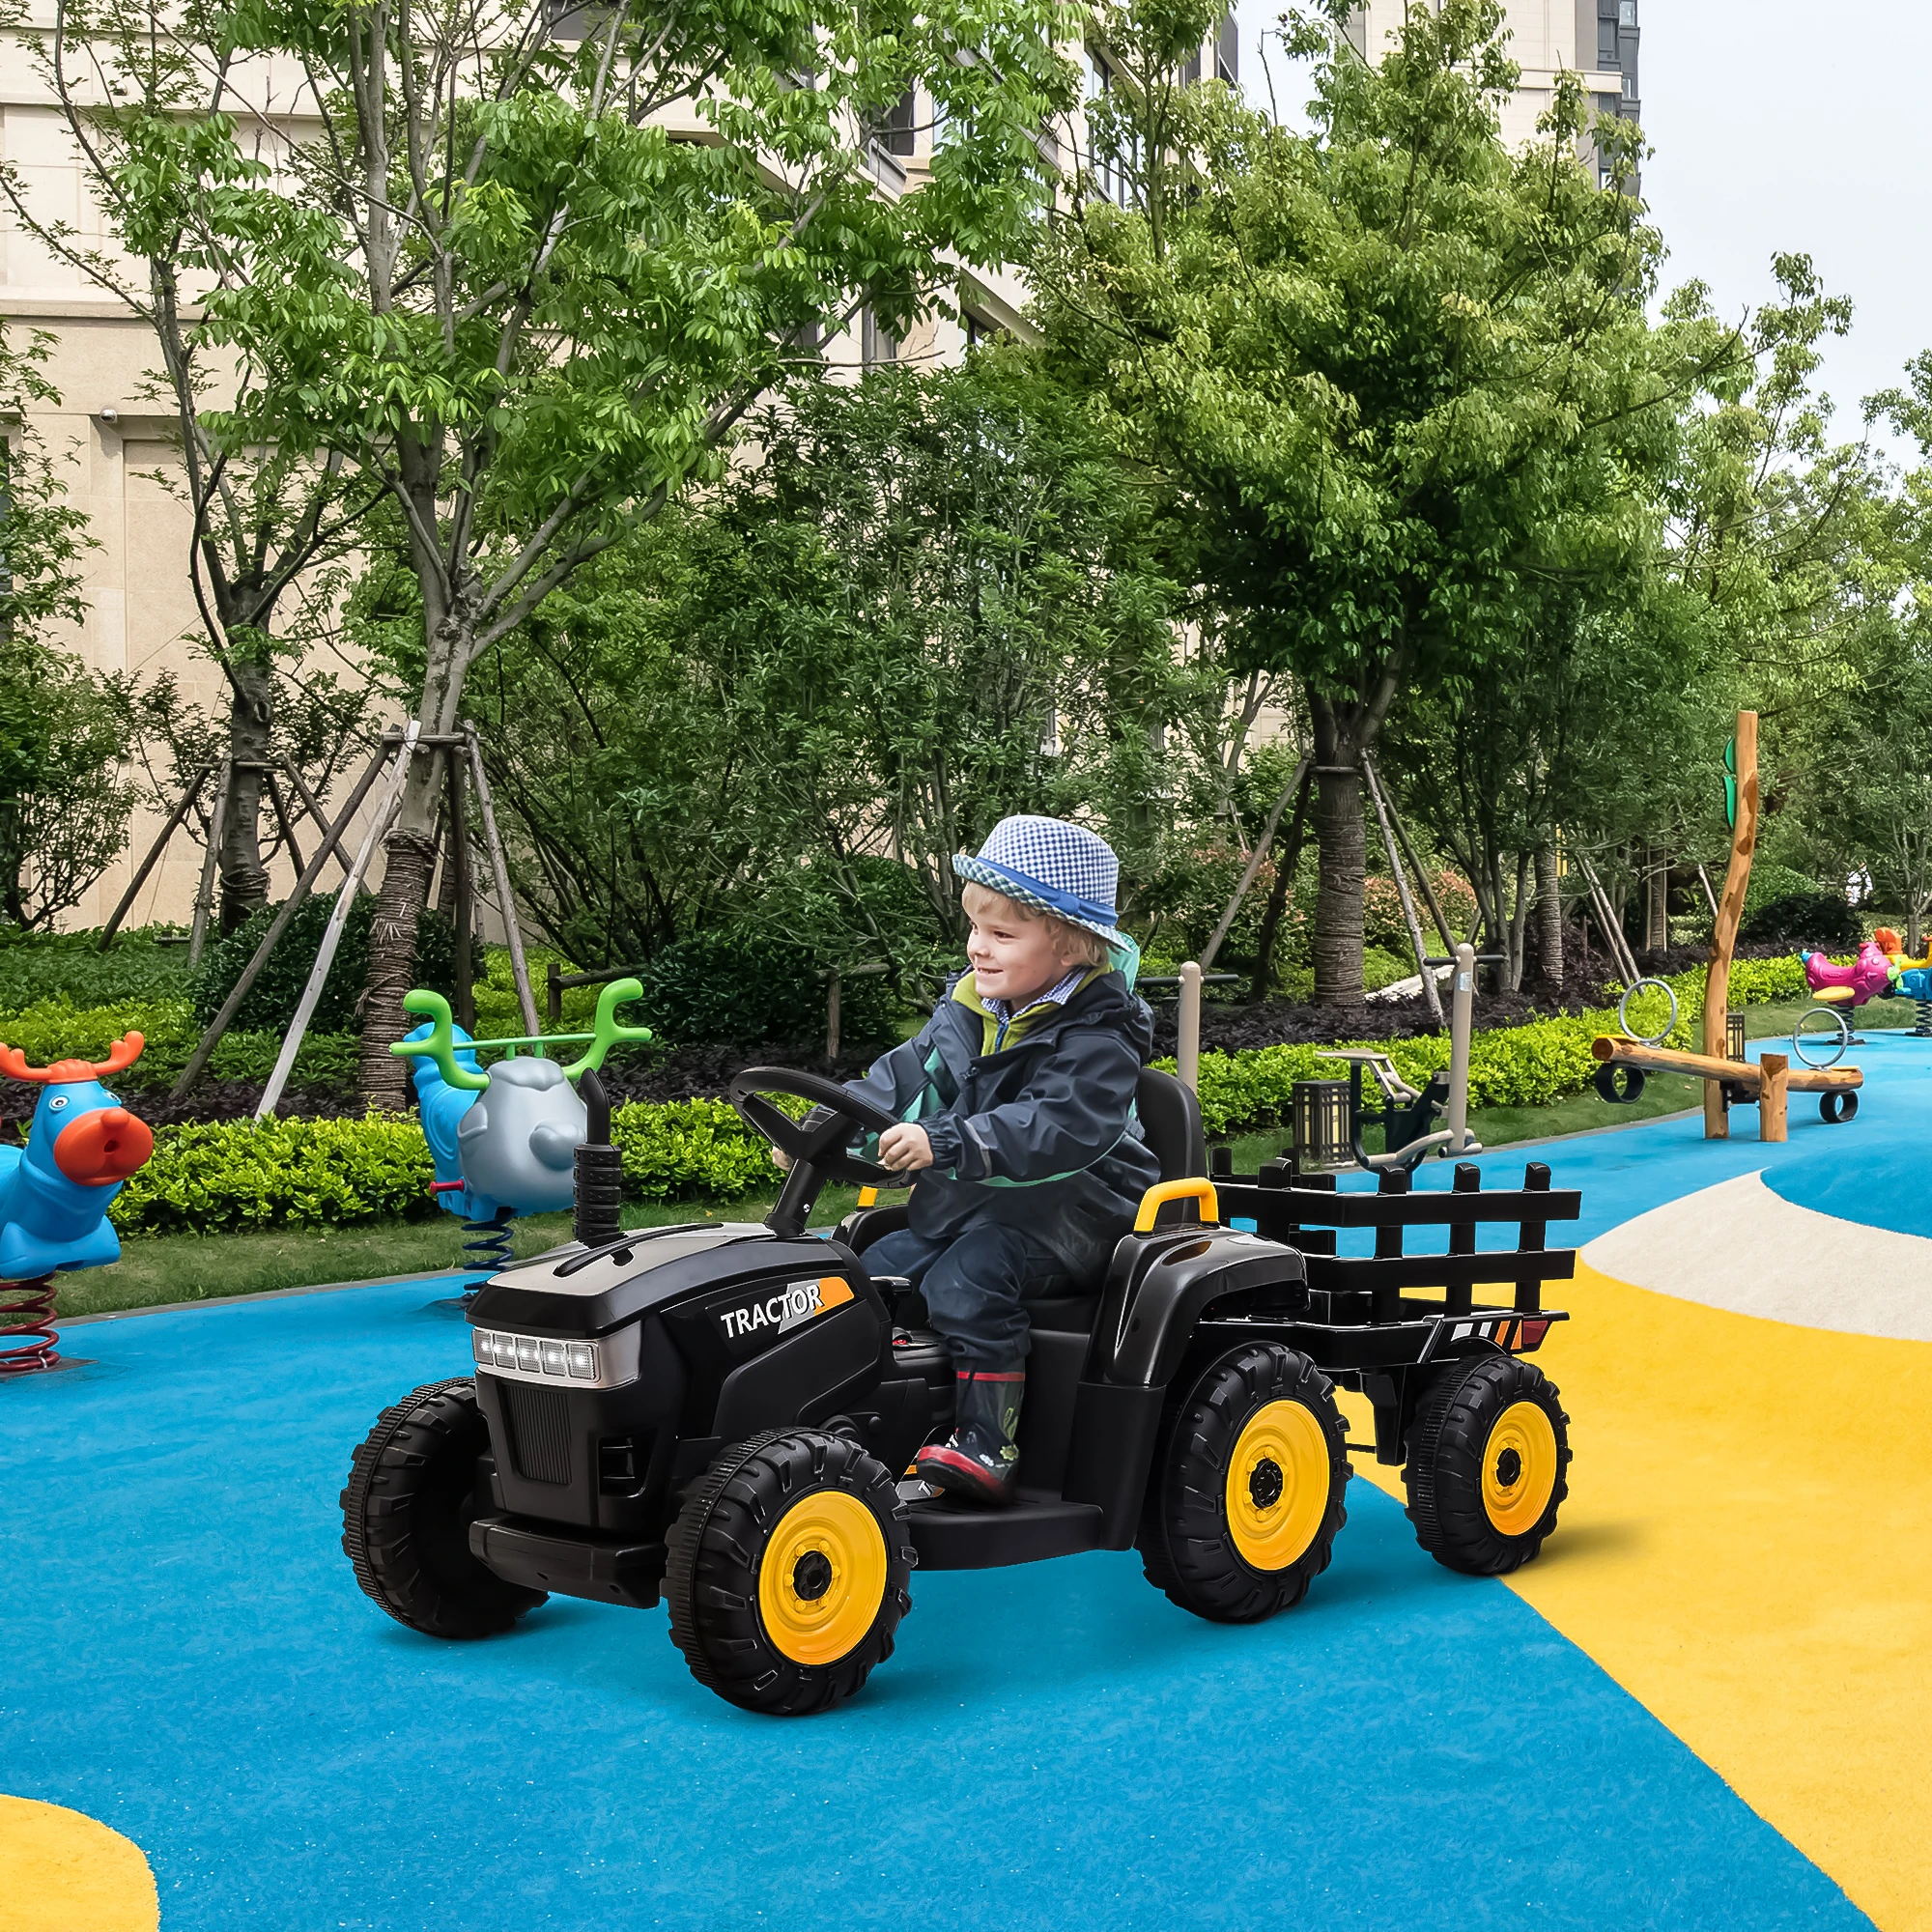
(195, 1267)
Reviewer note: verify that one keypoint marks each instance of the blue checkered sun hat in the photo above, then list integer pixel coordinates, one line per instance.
(1057, 866)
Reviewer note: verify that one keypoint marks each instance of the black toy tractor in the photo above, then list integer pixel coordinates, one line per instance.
(721, 1414)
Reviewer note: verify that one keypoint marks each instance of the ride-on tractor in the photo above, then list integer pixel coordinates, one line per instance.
(720, 1413)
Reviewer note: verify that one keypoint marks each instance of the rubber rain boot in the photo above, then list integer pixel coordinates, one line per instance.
(980, 1459)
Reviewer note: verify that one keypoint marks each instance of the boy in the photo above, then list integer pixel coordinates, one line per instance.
(1016, 1101)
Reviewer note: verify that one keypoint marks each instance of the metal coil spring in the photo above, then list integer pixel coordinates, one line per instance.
(1923, 1029)
(487, 1247)
(32, 1300)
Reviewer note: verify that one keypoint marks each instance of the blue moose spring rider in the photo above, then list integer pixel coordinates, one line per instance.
(54, 1192)
(516, 1138)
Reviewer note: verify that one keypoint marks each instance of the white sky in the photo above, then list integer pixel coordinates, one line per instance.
(1777, 126)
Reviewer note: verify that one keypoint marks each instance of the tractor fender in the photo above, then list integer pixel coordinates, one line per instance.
(1159, 1285)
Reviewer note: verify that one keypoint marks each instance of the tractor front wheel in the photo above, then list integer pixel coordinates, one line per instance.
(407, 1512)
(788, 1572)
(1246, 1495)
(1488, 1462)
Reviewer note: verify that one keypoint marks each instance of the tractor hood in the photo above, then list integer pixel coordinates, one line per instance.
(584, 1294)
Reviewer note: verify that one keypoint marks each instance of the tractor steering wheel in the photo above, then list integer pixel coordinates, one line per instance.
(820, 1147)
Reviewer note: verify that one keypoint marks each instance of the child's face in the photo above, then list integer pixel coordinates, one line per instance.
(1012, 958)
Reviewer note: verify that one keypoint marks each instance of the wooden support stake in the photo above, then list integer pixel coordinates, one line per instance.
(519, 967)
(282, 818)
(154, 851)
(332, 935)
(1725, 927)
(210, 861)
(1415, 866)
(1431, 998)
(458, 857)
(1263, 846)
(1773, 1086)
(230, 1007)
(313, 807)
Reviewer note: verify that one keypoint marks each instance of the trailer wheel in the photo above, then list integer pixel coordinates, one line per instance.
(1245, 1497)
(406, 1517)
(788, 1572)
(1487, 1464)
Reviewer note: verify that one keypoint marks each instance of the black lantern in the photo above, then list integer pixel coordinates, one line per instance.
(1734, 1035)
(1322, 1126)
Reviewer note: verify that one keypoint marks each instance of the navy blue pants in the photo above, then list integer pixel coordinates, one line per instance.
(977, 1287)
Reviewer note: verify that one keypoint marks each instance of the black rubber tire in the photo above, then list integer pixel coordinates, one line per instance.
(721, 1537)
(1836, 1105)
(1444, 1470)
(407, 1512)
(1187, 1549)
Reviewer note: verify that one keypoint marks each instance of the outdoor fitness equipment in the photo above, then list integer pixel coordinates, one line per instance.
(54, 1193)
(1823, 1033)
(718, 1413)
(1330, 1124)
(516, 1138)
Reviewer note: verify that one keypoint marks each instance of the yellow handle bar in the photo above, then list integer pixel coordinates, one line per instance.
(1160, 1195)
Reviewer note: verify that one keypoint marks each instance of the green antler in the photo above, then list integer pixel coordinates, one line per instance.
(440, 1045)
(607, 1032)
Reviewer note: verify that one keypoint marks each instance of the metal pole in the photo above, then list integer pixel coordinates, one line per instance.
(1187, 1028)
(331, 937)
(519, 967)
(1460, 1001)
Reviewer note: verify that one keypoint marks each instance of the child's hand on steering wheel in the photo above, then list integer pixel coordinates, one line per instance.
(905, 1149)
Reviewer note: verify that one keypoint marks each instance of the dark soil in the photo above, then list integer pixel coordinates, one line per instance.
(211, 1101)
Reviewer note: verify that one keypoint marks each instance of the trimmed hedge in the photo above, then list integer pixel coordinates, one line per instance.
(303, 1174)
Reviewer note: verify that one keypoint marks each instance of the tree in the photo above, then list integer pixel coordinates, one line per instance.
(1389, 371)
(525, 287)
(62, 806)
(141, 87)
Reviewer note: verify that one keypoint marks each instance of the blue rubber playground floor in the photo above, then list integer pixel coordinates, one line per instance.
(188, 1660)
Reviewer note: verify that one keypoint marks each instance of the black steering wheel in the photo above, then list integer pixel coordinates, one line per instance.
(821, 1148)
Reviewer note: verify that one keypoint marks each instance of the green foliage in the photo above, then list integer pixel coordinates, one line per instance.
(735, 989)
(66, 965)
(690, 1150)
(1819, 919)
(271, 1001)
(1382, 968)
(292, 1174)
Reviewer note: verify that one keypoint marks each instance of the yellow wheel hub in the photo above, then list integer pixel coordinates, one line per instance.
(823, 1576)
(1278, 1480)
(1518, 1468)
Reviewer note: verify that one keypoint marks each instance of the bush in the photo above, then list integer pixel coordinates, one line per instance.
(685, 1149)
(1815, 919)
(1383, 968)
(36, 967)
(271, 1001)
(284, 1173)
(735, 989)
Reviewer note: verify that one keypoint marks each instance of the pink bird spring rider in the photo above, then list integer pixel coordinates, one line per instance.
(1823, 1033)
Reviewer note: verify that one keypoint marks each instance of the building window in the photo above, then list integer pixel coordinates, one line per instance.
(1228, 51)
(876, 345)
(902, 125)
(1627, 14)
(1113, 167)
(979, 331)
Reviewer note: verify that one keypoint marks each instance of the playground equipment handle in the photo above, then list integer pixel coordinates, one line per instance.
(1162, 1192)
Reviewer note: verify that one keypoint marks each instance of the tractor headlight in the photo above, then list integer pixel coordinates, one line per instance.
(531, 1358)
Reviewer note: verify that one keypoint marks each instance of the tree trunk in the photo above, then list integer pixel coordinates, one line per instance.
(1343, 846)
(251, 716)
(1549, 917)
(1657, 901)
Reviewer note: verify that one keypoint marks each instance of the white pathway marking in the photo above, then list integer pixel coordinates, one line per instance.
(1739, 1246)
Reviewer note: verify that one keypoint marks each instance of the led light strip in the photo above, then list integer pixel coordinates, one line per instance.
(530, 1358)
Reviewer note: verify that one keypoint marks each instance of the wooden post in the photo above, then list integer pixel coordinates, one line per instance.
(1415, 866)
(313, 807)
(210, 861)
(458, 859)
(282, 818)
(225, 1018)
(831, 1016)
(519, 967)
(1725, 928)
(331, 934)
(1431, 998)
(1187, 1028)
(1773, 1085)
(154, 851)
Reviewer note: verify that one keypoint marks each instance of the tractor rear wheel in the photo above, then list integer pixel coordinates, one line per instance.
(788, 1572)
(1246, 1495)
(1488, 1462)
(407, 1512)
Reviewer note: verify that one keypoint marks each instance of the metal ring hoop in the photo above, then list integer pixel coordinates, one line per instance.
(1838, 1043)
(1622, 1012)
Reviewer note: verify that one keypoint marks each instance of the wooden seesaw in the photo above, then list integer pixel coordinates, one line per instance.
(1763, 1083)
